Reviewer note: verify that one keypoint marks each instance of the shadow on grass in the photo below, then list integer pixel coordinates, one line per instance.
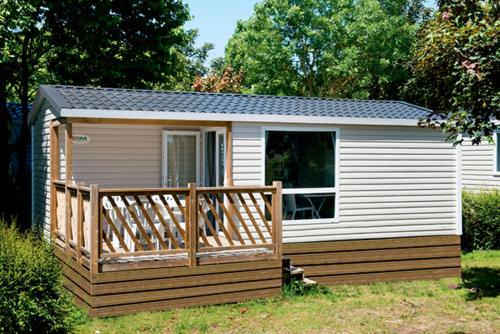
(481, 282)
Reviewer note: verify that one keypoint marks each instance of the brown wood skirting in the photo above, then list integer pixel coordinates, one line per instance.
(339, 262)
(363, 261)
(129, 291)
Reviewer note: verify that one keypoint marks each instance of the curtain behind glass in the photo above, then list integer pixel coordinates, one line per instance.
(181, 160)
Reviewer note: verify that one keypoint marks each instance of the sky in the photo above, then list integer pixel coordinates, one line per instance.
(216, 20)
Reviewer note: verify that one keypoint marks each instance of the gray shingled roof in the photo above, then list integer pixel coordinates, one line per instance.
(70, 97)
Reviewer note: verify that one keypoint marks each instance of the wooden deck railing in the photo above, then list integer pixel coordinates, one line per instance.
(181, 225)
(71, 219)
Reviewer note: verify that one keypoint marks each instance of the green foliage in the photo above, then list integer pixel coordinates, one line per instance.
(335, 48)
(192, 63)
(115, 43)
(298, 288)
(456, 69)
(481, 220)
(32, 298)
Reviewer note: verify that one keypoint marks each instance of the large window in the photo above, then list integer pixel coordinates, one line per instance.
(305, 162)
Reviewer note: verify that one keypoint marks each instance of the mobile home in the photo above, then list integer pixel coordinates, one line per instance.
(158, 199)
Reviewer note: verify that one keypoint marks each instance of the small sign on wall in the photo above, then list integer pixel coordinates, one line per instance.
(81, 139)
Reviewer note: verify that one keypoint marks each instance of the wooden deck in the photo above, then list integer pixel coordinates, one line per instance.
(127, 250)
(133, 290)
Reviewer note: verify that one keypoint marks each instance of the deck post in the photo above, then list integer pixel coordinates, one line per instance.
(277, 220)
(67, 220)
(95, 235)
(192, 225)
(54, 176)
(79, 222)
(68, 146)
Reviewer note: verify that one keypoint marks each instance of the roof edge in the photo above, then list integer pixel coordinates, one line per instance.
(54, 87)
(46, 92)
(261, 118)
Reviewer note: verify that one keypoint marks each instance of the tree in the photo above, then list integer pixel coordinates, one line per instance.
(193, 61)
(103, 43)
(112, 43)
(217, 65)
(456, 70)
(227, 82)
(23, 51)
(334, 48)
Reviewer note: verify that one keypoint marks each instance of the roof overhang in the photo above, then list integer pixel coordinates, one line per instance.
(40, 97)
(227, 117)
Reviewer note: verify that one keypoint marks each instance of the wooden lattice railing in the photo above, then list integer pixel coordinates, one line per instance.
(142, 222)
(183, 223)
(70, 224)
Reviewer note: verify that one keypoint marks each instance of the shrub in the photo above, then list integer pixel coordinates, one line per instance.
(32, 298)
(481, 220)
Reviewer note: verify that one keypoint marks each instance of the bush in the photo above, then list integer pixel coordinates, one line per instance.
(32, 298)
(481, 220)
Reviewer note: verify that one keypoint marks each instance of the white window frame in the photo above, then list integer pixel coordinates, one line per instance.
(324, 190)
(164, 167)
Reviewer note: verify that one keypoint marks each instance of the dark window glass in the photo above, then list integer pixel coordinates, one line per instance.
(308, 206)
(300, 159)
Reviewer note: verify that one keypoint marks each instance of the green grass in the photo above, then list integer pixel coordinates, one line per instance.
(471, 305)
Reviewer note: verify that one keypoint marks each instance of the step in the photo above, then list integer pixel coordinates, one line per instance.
(309, 282)
(294, 271)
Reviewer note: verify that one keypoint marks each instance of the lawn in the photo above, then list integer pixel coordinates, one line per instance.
(441, 306)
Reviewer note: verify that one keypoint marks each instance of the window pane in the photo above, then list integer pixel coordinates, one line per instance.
(308, 206)
(181, 160)
(300, 159)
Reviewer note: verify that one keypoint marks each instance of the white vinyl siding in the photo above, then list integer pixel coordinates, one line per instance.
(479, 166)
(40, 134)
(394, 182)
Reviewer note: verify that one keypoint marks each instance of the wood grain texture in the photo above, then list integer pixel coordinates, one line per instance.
(185, 302)
(362, 261)
(129, 291)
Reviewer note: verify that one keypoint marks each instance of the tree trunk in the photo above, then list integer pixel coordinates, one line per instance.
(24, 176)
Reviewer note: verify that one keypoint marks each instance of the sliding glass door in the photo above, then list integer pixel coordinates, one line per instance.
(192, 156)
(214, 157)
(181, 152)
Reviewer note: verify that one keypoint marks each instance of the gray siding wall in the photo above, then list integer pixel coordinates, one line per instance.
(40, 132)
(118, 155)
(478, 162)
(394, 182)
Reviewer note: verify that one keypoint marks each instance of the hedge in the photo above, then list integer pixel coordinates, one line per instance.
(32, 298)
(481, 220)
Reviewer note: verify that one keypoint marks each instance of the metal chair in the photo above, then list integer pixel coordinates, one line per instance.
(291, 206)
